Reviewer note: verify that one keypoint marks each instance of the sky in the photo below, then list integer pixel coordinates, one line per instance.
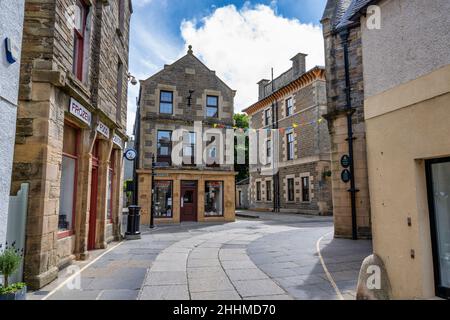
(240, 40)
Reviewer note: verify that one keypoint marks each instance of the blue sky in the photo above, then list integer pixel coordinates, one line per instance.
(241, 40)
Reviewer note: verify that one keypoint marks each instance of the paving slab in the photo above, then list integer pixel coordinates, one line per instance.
(253, 288)
(170, 292)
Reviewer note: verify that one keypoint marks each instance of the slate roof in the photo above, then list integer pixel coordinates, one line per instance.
(342, 13)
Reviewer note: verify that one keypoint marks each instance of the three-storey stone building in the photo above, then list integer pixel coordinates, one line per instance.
(192, 182)
(71, 128)
(291, 108)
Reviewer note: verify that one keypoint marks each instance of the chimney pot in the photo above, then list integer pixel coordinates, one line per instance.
(299, 64)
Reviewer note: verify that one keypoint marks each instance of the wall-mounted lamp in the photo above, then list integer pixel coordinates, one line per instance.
(132, 79)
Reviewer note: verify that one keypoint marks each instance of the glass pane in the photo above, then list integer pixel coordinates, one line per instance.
(67, 194)
(214, 198)
(166, 96)
(109, 196)
(78, 18)
(164, 136)
(165, 107)
(211, 112)
(441, 188)
(163, 199)
(212, 101)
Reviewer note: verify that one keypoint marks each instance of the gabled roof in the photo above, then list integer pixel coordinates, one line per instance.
(190, 55)
(355, 7)
(342, 13)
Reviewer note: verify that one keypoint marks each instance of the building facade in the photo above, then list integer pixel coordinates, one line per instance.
(11, 26)
(71, 128)
(290, 108)
(407, 113)
(172, 103)
(345, 92)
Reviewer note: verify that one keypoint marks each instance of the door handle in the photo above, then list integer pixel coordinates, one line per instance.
(182, 202)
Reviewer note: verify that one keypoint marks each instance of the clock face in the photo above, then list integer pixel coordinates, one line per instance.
(130, 154)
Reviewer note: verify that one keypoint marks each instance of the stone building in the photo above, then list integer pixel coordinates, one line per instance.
(243, 194)
(291, 108)
(407, 112)
(345, 92)
(171, 105)
(71, 128)
(11, 26)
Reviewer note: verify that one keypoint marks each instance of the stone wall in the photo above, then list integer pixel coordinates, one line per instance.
(47, 87)
(337, 120)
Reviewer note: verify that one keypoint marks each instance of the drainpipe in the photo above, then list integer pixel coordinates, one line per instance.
(350, 138)
(276, 177)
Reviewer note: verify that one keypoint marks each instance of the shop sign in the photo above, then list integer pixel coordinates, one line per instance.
(80, 112)
(103, 129)
(117, 140)
(345, 161)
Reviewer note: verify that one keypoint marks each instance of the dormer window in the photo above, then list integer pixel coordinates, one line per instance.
(212, 107)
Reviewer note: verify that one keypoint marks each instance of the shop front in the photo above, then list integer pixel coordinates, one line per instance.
(188, 196)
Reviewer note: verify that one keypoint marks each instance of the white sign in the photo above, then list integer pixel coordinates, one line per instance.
(117, 140)
(103, 129)
(79, 111)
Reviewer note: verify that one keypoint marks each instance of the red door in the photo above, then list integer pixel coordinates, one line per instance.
(188, 201)
(93, 206)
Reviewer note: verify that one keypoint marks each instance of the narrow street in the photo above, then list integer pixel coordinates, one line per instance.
(266, 258)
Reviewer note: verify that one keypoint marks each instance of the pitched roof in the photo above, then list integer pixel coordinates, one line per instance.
(354, 7)
(343, 13)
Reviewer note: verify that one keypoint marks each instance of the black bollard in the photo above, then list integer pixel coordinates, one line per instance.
(133, 223)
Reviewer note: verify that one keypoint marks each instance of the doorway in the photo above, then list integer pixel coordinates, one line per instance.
(93, 202)
(188, 200)
(438, 179)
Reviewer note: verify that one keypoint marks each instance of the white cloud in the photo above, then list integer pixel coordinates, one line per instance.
(243, 45)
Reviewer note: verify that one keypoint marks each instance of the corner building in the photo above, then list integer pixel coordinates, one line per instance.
(71, 129)
(174, 99)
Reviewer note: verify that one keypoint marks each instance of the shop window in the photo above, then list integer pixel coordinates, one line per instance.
(163, 199)
(68, 182)
(258, 191)
(269, 190)
(166, 102)
(164, 152)
(212, 107)
(213, 198)
(291, 190)
(438, 175)
(80, 23)
(290, 146)
(289, 107)
(305, 189)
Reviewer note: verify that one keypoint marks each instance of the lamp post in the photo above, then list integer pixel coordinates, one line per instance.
(152, 207)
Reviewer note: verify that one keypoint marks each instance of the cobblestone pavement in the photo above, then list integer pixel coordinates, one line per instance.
(266, 258)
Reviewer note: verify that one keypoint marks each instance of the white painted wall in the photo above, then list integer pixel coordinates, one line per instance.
(11, 26)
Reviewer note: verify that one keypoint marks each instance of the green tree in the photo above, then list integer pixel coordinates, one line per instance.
(241, 122)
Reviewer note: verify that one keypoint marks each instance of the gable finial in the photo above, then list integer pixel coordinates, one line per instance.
(190, 50)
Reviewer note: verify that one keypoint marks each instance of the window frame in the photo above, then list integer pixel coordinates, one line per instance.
(306, 189)
(290, 146)
(290, 191)
(69, 233)
(216, 107)
(269, 188)
(193, 149)
(258, 191)
(289, 107)
(161, 101)
(223, 199)
(78, 43)
(267, 117)
(269, 150)
(159, 157)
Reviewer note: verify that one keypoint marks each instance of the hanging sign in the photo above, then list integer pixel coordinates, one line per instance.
(345, 161)
(346, 176)
(117, 140)
(80, 112)
(103, 129)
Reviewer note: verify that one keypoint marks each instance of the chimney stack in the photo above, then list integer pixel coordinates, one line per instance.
(299, 65)
(262, 88)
